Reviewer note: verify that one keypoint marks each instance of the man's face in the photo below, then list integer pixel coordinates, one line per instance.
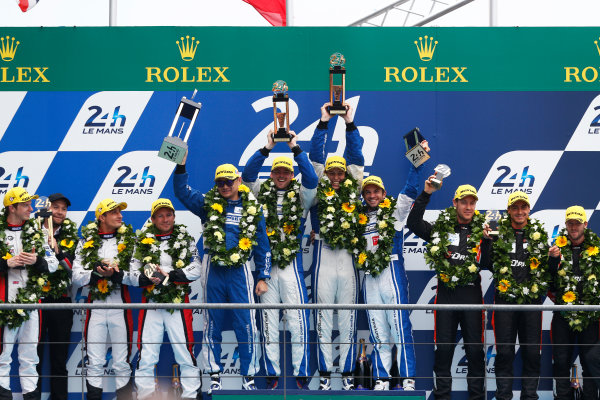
(575, 229)
(229, 188)
(465, 209)
(164, 220)
(21, 211)
(519, 212)
(281, 177)
(59, 211)
(110, 221)
(373, 195)
(335, 175)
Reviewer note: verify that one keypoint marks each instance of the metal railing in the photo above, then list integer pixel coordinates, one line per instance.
(284, 357)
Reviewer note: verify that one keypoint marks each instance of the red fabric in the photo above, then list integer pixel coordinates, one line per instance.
(26, 5)
(271, 10)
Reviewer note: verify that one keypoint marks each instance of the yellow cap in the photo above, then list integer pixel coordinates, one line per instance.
(465, 190)
(577, 213)
(107, 205)
(226, 171)
(17, 195)
(335, 162)
(160, 203)
(373, 180)
(518, 196)
(283, 162)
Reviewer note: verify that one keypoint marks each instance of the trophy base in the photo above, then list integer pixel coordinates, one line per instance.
(337, 110)
(436, 183)
(173, 149)
(282, 137)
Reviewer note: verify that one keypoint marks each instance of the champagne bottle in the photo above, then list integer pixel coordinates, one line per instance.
(362, 373)
(577, 390)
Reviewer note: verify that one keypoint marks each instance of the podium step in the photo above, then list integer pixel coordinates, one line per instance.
(295, 394)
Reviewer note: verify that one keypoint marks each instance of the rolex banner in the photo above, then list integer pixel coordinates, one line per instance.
(83, 111)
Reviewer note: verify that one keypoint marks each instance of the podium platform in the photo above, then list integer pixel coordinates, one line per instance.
(295, 394)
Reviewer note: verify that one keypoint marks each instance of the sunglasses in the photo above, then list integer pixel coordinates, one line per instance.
(227, 182)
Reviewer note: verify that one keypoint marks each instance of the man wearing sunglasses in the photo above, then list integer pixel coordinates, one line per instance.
(286, 203)
(235, 231)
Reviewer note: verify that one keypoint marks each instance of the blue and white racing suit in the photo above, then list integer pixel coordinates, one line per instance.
(335, 279)
(229, 284)
(287, 283)
(391, 287)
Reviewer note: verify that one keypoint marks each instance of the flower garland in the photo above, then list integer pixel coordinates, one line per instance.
(149, 253)
(567, 281)
(90, 259)
(282, 232)
(437, 253)
(58, 282)
(214, 238)
(31, 238)
(374, 262)
(338, 213)
(537, 247)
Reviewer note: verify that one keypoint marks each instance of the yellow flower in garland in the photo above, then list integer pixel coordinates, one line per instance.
(445, 278)
(245, 243)
(385, 203)
(150, 289)
(121, 247)
(348, 207)
(561, 241)
(46, 287)
(534, 263)
(244, 188)
(569, 297)
(362, 257)
(330, 193)
(288, 228)
(592, 250)
(147, 240)
(8, 256)
(217, 207)
(270, 231)
(503, 285)
(66, 244)
(362, 219)
(476, 248)
(103, 286)
(88, 244)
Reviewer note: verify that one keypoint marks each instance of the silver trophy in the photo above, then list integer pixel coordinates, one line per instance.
(441, 171)
(173, 147)
(491, 218)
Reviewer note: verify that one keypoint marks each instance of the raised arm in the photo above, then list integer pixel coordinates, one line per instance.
(415, 221)
(318, 142)
(353, 151)
(191, 198)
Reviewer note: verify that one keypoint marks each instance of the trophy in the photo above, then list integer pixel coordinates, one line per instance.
(415, 153)
(173, 147)
(441, 171)
(151, 271)
(337, 84)
(176, 389)
(42, 207)
(281, 120)
(491, 218)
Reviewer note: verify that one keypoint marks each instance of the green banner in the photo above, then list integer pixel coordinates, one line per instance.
(233, 58)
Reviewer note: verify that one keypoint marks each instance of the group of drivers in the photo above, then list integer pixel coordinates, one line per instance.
(252, 233)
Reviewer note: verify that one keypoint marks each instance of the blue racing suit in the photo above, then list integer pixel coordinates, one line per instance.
(287, 282)
(391, 287)
(335, 280)
(229, 284)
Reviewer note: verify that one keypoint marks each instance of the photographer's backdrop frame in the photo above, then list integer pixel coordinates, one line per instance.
(83, 111)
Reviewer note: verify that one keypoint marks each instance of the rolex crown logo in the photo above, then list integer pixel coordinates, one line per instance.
(8, 48)
(426, 48)
(597, 47)
(187, 48)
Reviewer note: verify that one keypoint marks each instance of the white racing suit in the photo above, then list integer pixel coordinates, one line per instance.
(27, 335)
(286, 284)
(389, 327)
(335, 279)
(99, 322)
(152, 324)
